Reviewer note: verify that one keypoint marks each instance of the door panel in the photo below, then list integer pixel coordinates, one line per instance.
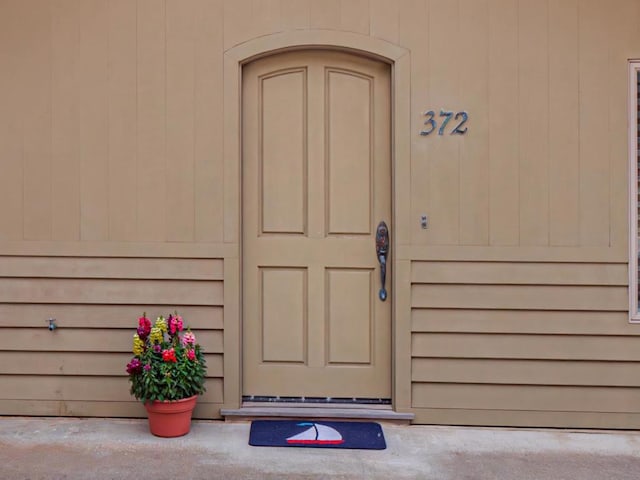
(349, 160)
(283, 309)
(316, 181)
(349, 314)
(282, 167)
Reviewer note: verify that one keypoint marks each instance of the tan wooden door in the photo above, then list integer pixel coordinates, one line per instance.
(316, 182)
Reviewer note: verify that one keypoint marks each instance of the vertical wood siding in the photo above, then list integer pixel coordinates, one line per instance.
(111, 156)
(116, 132)
(111, 125)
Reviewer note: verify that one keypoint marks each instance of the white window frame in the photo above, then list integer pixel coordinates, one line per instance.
(634, 68)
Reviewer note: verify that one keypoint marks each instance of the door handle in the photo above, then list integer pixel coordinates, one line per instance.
(382, 250)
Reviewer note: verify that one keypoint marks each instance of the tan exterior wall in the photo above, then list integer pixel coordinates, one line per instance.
(511, 308)
(77, 370)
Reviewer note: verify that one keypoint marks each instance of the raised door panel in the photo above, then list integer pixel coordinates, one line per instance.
(350, 316)
(282, 151)
(283, 314)
(349, 135)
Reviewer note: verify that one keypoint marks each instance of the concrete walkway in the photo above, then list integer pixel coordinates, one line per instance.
(60, 448)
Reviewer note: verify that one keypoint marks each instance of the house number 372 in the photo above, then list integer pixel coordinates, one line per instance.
(431, 124)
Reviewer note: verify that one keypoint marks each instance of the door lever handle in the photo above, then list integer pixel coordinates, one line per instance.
(382, 250)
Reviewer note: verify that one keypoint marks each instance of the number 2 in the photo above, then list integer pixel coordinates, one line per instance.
(458, 130)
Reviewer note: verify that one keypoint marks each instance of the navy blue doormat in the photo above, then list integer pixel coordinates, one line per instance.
(304, 433)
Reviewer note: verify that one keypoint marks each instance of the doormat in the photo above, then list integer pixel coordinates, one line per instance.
(291, 433)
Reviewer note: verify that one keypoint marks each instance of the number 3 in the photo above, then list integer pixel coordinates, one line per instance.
(430, 122)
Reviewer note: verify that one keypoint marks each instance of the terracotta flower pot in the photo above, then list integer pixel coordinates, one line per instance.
(171, 419)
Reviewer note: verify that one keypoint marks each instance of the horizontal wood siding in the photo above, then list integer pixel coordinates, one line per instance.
(526, 372)
(504, 273)
(82, 408)
(571, 346)
(113, 268)
(78, 396)
(94, 340)
(90, 363)
(90, 389)
(20, 315)
(108, 290)
(521, 321)
(518, 297)
(78, 369)
(498, 341)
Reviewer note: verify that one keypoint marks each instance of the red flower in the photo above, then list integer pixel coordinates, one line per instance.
(144, 327)
(191, 355)
(169, 355)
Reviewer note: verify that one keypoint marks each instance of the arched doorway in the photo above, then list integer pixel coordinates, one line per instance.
(316, 181)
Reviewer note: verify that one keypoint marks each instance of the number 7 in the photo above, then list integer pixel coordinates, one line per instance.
(444, 124)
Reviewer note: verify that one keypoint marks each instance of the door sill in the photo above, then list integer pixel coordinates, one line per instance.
(251, 411)
(333, 406)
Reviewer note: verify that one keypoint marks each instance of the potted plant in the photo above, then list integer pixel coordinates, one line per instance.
(167, 373)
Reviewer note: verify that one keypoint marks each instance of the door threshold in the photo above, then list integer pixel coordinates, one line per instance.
(324, 412)
(357, 406)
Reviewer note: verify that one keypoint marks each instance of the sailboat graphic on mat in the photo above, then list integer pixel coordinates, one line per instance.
(317, 434)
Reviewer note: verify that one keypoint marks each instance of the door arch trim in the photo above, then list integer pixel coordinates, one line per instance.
(325, 39)
(399, 59)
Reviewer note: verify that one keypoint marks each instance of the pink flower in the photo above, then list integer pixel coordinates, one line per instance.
(191, 355)
(147, 367)
(157, 348)
(175, 324)
(189, 339)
